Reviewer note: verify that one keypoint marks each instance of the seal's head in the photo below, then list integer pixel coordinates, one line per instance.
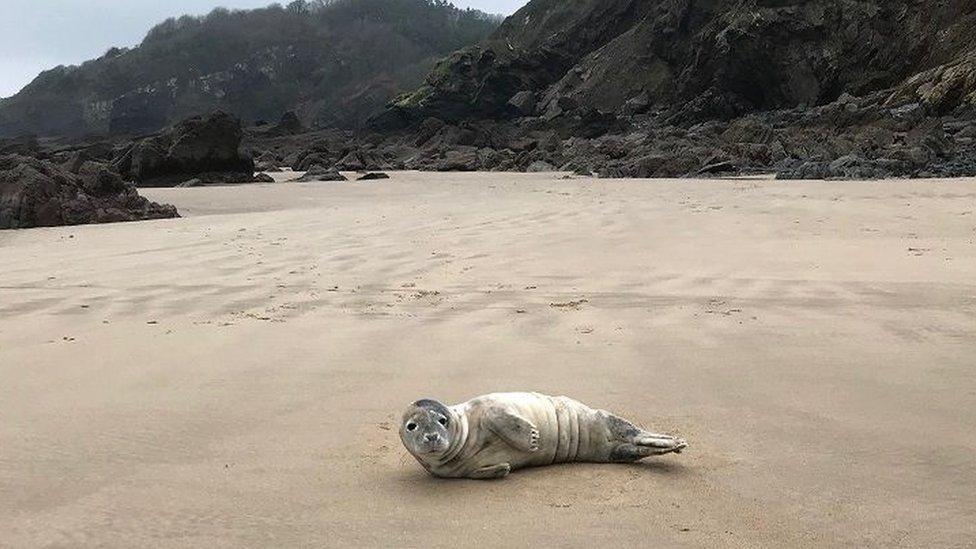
(426, 429)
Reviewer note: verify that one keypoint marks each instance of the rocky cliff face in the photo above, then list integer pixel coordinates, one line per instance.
(330, 62)
(699, 60)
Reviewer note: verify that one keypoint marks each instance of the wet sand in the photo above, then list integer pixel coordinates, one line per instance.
(234, 378)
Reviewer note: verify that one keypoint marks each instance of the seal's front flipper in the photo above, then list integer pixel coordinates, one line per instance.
(514, 429)
(491, 472)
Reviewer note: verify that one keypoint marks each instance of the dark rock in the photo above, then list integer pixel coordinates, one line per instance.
(365, 159)
(460, 160)
(969, 132)
(266, 162)
(845, 167)
(321, 173)
(210, 144)
(523, 103)
(717, 167)
(37, 193)
(749, 130)
(371, 176)
(540, 166)
(289, 124)
(639, 104)
(263, 178)
(309, 160)
(428, 129)
(708, 60)
(25, 146)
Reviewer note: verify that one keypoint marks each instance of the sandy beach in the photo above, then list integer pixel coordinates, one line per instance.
(235, 378)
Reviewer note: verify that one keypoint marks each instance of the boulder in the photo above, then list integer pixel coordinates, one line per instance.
(321, 173)
(717, 167)
(540, 166)
(289, 124)
(38, 193)
(267, 162)
(372, 176)
(523, 103)
(459, 160)
(202, 144)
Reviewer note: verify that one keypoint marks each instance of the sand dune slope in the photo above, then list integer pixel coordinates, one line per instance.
(234, 378)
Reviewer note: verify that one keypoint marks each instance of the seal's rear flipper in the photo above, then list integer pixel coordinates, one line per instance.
(660, 444)
(646, 447)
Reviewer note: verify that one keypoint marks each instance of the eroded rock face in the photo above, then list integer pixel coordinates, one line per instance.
(39, 193)
(702, 60)
(199, 145)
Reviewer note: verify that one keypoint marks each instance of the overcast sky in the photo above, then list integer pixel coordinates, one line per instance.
(39, 34)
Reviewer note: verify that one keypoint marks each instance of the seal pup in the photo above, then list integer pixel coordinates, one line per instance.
(490, 436)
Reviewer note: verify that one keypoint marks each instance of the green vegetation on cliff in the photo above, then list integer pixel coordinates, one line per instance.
(332, 61)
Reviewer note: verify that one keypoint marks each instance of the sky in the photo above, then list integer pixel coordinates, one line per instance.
(36, 35)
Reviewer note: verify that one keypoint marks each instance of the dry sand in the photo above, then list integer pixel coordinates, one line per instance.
(234, 378)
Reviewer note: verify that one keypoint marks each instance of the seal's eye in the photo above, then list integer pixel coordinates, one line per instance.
(442, 421)
(411, 426)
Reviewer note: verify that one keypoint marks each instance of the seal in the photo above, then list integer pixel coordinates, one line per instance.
(492, 435)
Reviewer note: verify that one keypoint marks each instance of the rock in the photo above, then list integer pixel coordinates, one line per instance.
(371, 176)
(364, 159)
(523, 103)
(309, 159)
(748, 130)
(706, 60)
(844, 167)
(266, 162)
(263, 178)
(202, 144)
(638, 104)
(289, 124)
(717, 167)
(969, 132)
(191, 183)
(321, 173)
(463, 160)
(540, 166)
(26, 146)
(38, 193)
(428, 129)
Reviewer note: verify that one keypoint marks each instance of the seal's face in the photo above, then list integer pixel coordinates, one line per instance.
(426, 429)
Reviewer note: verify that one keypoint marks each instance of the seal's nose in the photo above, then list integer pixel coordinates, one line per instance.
(431, 437)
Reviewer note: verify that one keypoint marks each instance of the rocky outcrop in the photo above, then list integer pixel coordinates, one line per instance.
(635, 88)
(372, 176)
(701, 61)
(39, 193)
(207, 148)
(321, 173)
(331, 63)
